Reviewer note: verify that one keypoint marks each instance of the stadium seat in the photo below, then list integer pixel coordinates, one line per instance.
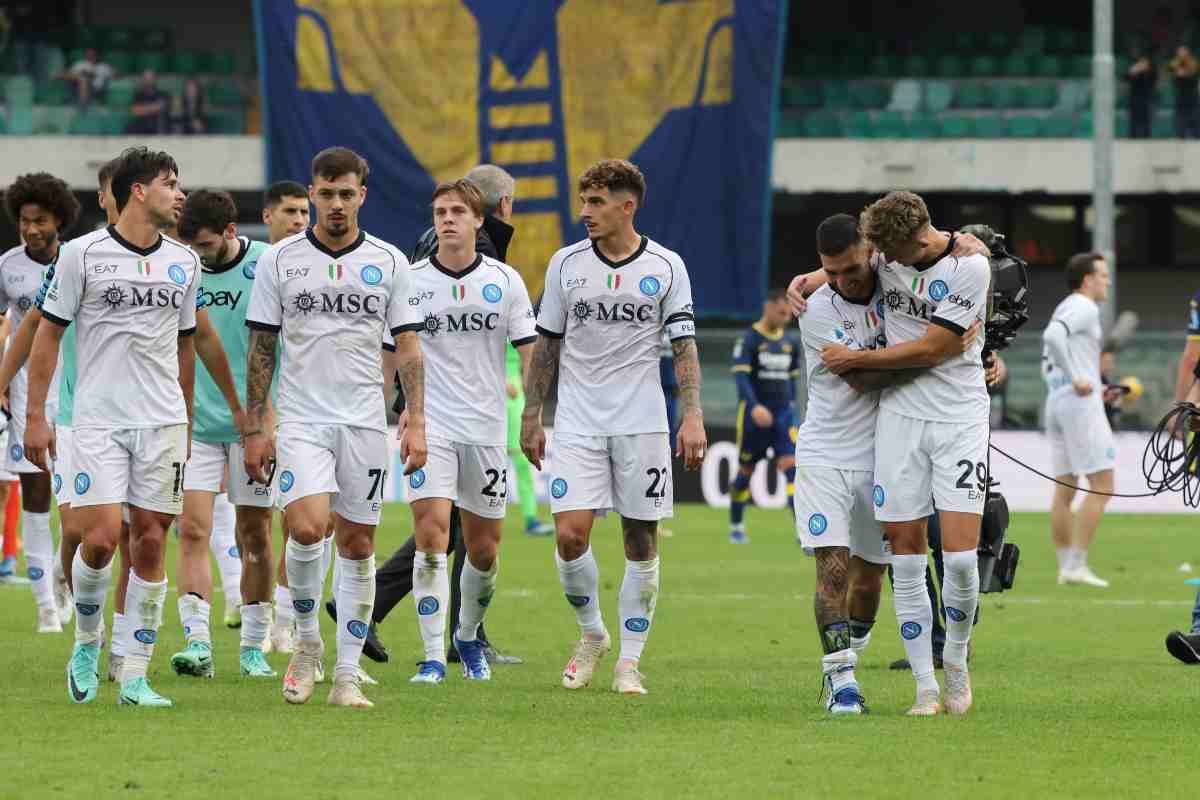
(1041, 95)
(923, 126)
(224, 63)
(984, 67)
(1073, 95)
(1059, 126)
(991, 126)
(121, 39)
(884, 66)
(157, 38)
(56, 61)
(906, 95)
(20, 120)
(1048, 66)
(822, 125)
(973, 94)
(92, 122)
(915, 66)
(74, 56)
(837, 94)
(1005, 95)
(53, 119)
(1025, 127)
(1032, 39)
(1162, 126)
(790, 125)
(204, 61)
(1121, 125)
(53, 93)
(1080, 67)
(151, 59)
(950, 66)
(184, 62)
(858, 125)
(18, 90)
(999, 42)
(1083, 126)
(889, 125)
(122, 61)
(3, 126)
(939, 96)
(120, 93)
(1016, 65)
(1166, 94)
(227, 93)
(1064, 40)
(957, 127)
(863, 95)
(801, 95)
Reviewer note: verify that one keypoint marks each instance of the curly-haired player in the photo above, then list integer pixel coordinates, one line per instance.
(42, 207)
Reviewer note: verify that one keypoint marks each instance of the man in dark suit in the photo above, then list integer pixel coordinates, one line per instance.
(394, 579)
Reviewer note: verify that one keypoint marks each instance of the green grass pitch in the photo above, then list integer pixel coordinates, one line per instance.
(1075, 694)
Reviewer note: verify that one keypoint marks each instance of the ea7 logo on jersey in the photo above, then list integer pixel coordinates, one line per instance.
(574, 282)
(104, 269)
(416, 299)
(297, 272)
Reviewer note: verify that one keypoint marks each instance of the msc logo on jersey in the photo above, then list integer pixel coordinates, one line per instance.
(466, 322)
(83, 482)
(15, 453)
(614, 312)
(417, 479)
(817, 524)
(649, 285)
(177, 273)
(938, 289)
(637, 624)
(286, 480)
(24, 304)
(910, 630)
(877, 494)
(248, 270)
(582, 311)
(558, 488)
(305, 302)
(427, 606)
(114, 295)
(371, 275)
(492, 293)
(357, 628)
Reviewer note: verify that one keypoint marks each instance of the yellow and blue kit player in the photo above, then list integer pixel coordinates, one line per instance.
(766, 362)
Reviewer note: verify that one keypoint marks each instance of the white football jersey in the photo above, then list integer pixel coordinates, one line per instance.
(1081, 317)
(839, 423)
(611, 316)
(467, 318)
(20, 279)
(953, 294)
(331, 310)
(131, 305)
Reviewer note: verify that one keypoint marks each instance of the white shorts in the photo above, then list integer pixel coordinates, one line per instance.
(5, 475)
(920, 464)
(627, 474)
(343, 460)
(142, 466)
(206, 473)
(1081, 440)
(14, 454)
(474, 476)
(63, 481)
(834, 508)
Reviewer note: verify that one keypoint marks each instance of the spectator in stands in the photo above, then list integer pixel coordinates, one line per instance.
(1141, 77)
(1185, 71)
(90, 78)
(190, 118)
(149, 107)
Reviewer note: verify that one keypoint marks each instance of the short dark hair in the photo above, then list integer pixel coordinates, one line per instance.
(334, 162)
(468, 192)
(775, 295)
(139, 165)
(47, 191)
(275, 193)
(104, 175)
(836, 234)
(206, 210)
(615, 174)
(1079, 266)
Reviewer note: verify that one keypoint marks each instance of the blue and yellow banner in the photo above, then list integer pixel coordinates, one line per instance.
(426, 89)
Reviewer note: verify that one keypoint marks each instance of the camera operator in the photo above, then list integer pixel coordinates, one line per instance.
(1185, 72)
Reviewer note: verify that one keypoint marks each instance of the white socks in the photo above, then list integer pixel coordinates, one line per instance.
(193, 613)
(839, 667)
(328, 561)
(285, 614)
(914, 615)
(39, 556)
(1071, 558)
(639, 595)
(91, 591)
(143, 612)
(354, 593)
(477, 590)
(223, 544)
(256, 621)
(306, 581)
(116, 636)
(581, 584)
(960, 596)
(431, 592)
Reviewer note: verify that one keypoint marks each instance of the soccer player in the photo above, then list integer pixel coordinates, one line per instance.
(932, 431)
(472, 306)
(330, 293)
(515, 367)
(285, 210)
(607, 301)
(42, 207)
(132, 292)
(209, 226)
(285, 213)
(766, 361)
(1081, 440)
